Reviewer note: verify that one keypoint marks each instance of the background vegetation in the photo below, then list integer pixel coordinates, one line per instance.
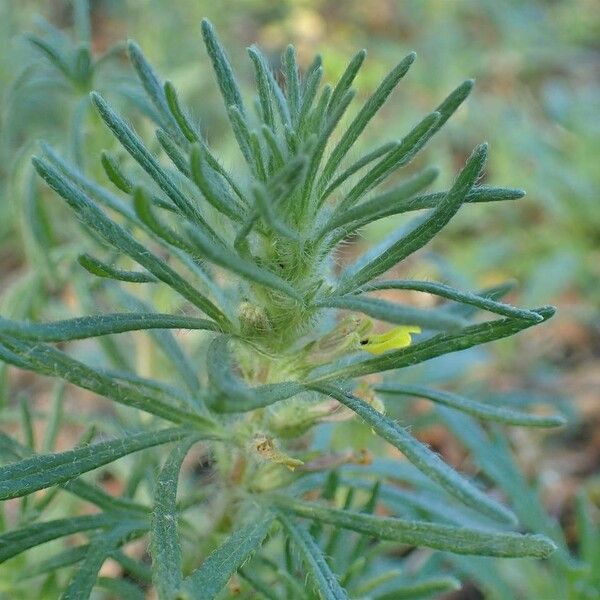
(536, 101)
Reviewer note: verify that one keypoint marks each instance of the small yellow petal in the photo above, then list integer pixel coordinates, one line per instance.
(394, 339)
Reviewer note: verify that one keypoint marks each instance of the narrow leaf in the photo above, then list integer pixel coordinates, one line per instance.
(446, 291)
(212, 189)
(345, 81)
(422, 589)
(421, 533)
(165, 547)
(117, 236)
(15, 542)
(208, 580)
(138, 151)
(399, 157)
(85, 327)
(399, 314)
(43, 359)
(222, 67)
(232, 393)
(477, 409)
(419, 236)
(421, 456)
(374, 206)
(188, 130)
(264, 86)
(101, 269)
(245, 268)
(81, 585)
(358, 165)
(366, 113)
(438, 345)
(42, 471)
(324, 579)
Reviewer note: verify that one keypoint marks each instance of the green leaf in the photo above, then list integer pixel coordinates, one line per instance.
(438, 345)
(366, 113)
(345, 81)
(210, 186)
(174, 152)
(421, 234)
(357, 166)
(42, 471)
(292, 81)
(445, 291)
(15, 542)
(308, 97)
(324, 579)
(411, 143)
(188, 130)
(138, 151)
(152, 84)
(117, 236)
(241, 130)
(62, 559)
(460, 540)
(422, 589)
(86, 327)
(365, 211)
(101, 269)
(390, 312)
(223, 71)
(43, 359)
(81, 585)
(165, 547)
(265, 206)
(214, 573)
(121, 588)
(113, 171)
(245, 268)
(82, 20)
(232, 394)
(324, 135)
(421, 456)
(387, 204)
(471, 407)
(264, 86)
(51, 53)
(451, 103)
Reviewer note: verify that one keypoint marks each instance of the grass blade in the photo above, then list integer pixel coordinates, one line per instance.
(138, 151)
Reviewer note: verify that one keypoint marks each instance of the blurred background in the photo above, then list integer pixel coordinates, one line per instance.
(536, 101)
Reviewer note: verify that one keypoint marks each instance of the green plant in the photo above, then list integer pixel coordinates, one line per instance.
(254, 252)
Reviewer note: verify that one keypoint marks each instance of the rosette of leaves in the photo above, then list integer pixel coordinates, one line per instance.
(251, 253)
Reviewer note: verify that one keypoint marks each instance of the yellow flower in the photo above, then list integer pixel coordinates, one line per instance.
(394, 339)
